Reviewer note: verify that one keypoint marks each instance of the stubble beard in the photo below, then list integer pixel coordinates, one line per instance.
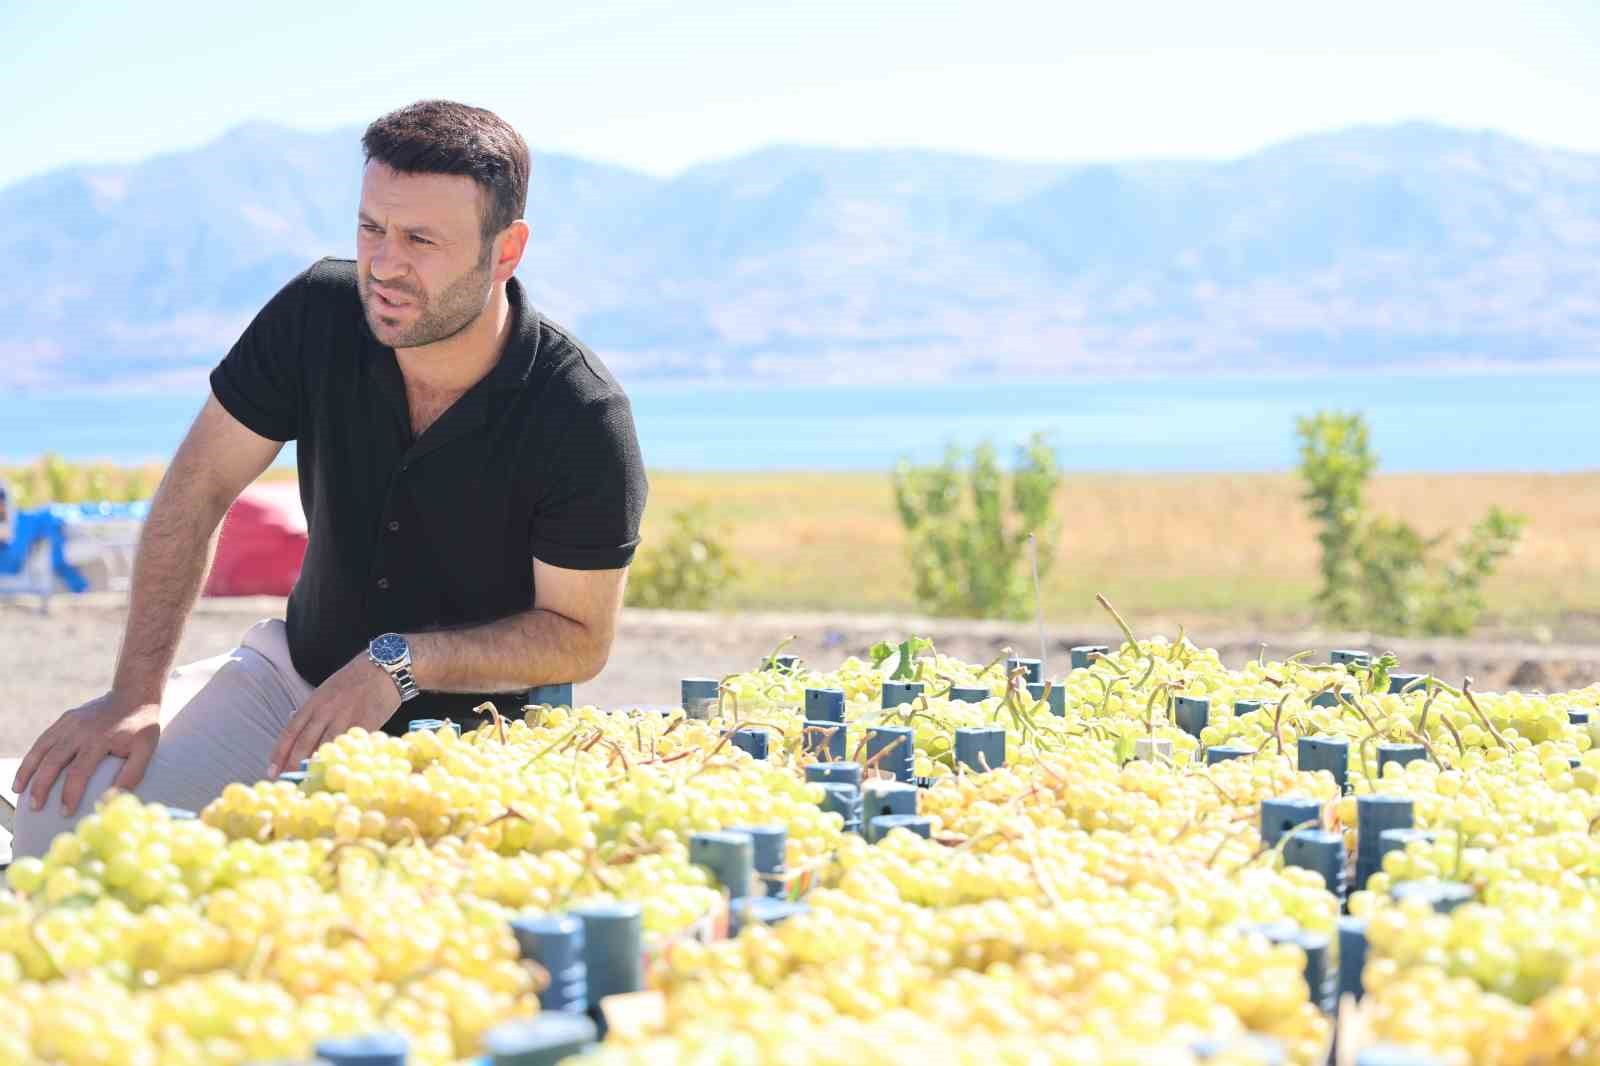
(456, 308)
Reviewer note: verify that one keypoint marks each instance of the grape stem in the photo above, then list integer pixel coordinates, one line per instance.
(1427, 705)
(1423, 740)
(1050, 770)
(499, 723)
(1434, 682)
(827, 732)
(1150, 705)
(260, 958)
(1226, 838)
(1466, 690)
(724, 691)
(1122, 624)
(1031, 849)
(1366, 761)
(772, 660)
(1005, 653)
(727, 735)
(1461, 749)
(1220, 790)
(554, 744)
(618, 753)
(1277, 719)
(1107, 688)
(886, 749)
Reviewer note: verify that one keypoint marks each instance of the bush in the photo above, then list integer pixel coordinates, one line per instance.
(1378, 571)
(690, 569)
(965, 550)
(52, 479)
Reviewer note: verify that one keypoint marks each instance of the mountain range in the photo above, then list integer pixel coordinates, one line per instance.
(1407, 246)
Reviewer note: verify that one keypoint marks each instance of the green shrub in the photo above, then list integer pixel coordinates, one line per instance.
(966, 539)
(52, 479)
(1378, 571)
(691, 568)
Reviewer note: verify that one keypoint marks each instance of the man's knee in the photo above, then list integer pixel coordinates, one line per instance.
(35, 829)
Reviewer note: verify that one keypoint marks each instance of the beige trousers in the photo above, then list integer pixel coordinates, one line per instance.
(220, 719)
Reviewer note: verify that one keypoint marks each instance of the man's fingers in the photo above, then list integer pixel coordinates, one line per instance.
(308, 741)
(286, 741)
(49, 768)
(30, 762)
(78, 773)
(132, 772)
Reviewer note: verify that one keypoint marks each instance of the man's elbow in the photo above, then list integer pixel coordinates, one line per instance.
(596, 653)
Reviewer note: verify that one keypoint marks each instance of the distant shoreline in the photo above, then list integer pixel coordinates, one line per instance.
(1461, 420)
(195, 379)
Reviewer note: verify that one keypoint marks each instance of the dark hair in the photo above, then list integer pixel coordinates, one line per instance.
(444, 137)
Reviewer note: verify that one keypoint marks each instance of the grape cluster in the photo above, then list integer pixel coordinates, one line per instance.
(1097, 898)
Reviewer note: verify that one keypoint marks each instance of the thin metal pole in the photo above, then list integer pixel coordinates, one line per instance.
(1038, 603)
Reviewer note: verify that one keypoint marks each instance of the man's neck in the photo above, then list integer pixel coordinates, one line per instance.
(454, 365)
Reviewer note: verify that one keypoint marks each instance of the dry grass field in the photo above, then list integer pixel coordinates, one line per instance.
(1235, 546)
(1216, 547)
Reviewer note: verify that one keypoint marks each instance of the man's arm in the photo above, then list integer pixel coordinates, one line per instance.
(566, 636)
(216, 460)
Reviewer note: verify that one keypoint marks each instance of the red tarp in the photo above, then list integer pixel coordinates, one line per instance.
(263, 543)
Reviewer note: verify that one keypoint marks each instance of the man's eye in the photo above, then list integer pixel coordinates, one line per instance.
(421, 240)
(370, 228)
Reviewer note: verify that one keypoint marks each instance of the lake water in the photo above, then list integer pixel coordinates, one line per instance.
(1435, 422)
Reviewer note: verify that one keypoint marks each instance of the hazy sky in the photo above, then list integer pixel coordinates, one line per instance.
(661, 84)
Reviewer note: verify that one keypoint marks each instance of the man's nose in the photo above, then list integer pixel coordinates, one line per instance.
(387, 264)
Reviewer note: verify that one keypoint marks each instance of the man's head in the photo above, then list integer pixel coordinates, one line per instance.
(440, 223)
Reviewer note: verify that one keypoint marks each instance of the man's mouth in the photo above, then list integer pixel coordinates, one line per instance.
(387, 301)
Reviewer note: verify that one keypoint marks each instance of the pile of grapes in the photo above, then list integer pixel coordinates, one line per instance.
(1150, 859)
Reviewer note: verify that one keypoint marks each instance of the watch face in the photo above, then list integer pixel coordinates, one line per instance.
(390, 649)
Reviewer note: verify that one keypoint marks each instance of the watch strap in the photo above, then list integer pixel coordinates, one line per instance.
(401, 676)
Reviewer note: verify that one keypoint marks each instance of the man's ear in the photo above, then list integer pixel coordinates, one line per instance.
(509, 246)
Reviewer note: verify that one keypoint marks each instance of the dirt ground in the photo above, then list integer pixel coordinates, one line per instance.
(55, 660)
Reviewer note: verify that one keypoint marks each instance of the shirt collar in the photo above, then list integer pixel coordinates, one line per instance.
(522, 342)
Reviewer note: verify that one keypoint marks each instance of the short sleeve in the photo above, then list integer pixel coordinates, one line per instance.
(594, 491)
(259, 380)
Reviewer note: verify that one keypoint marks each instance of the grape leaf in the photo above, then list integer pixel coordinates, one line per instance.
(905, 669)
(908, 657)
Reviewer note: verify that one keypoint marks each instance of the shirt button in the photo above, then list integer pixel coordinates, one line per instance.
(394, 527)
(383, 583)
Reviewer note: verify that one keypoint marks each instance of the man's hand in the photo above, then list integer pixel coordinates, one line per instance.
(82, 737)
(360, 694)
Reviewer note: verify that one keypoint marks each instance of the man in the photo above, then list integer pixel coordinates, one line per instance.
(471, 480)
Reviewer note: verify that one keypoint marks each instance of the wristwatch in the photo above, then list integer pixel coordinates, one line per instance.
(392, 653)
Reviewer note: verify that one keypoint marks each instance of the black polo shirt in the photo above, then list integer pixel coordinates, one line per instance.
(537, 460)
